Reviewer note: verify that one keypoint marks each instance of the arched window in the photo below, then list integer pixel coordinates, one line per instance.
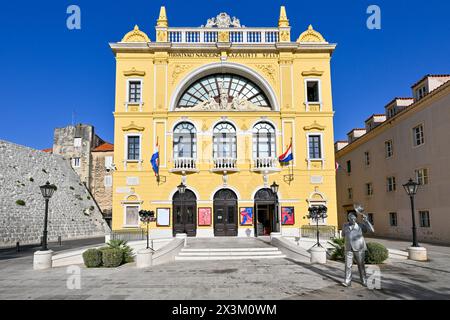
(184, 141)
(263, 140)
(224, 141)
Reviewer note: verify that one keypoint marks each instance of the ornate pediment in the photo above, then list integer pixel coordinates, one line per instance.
(311, 35)
(223, 20)
(313, 126)
(133, 126)
(134, 72)
(312, 72)
(136, 35)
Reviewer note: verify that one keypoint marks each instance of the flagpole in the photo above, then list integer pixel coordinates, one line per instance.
(292, 165)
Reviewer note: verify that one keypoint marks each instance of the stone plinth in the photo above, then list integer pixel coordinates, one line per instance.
(417, 253)
(318, 255)
(42, 260)
(144, 258)
(182, 236)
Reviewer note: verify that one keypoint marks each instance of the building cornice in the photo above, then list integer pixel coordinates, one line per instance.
(407, 112)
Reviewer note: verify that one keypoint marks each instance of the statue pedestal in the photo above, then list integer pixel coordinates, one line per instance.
(318, 255)
(144, 258)
(42, 260)
(417, 253)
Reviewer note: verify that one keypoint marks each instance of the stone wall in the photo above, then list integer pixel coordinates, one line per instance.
(72, 212)
(101, 193)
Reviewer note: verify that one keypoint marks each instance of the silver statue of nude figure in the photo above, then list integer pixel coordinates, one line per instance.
(355, 245)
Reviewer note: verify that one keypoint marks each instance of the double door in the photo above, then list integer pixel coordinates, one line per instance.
(185, 218)
(225, 218)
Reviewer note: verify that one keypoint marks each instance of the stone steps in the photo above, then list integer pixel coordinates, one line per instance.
(188, 254)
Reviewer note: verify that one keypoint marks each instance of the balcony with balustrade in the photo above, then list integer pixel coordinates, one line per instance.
(184, 165)
(265, 165)
(225, 165)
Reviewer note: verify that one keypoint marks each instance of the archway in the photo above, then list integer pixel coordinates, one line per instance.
(266, 212)
(184, 213)
(225, 213)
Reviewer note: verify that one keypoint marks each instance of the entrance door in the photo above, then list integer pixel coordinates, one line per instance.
(184, 217)
(266, 218)
(225, 213)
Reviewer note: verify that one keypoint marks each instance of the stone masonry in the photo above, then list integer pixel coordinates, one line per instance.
(72, 212)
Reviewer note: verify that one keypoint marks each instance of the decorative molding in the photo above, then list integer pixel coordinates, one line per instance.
(179, 69)
(312, 72)
(311, 35)
(314, 125)
(133, 126)
(223, 20)
(285, 36)
(134, 72)
(268, 70)
(224, 36)
(136, 35)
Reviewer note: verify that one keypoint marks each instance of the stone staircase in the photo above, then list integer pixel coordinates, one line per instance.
(200, 254)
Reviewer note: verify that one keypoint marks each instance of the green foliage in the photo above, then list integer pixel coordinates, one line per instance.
(92, 258)
(31, 179)
(91, 208)
(376, 253)
(88, 197)
(112, 257)
(124, 247)
(338, 251)
(71, 188)
(20, 202)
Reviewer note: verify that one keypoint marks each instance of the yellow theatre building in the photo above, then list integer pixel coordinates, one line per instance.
(221, 102)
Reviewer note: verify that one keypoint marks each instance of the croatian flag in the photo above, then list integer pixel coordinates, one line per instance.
(337, 166)
(287, 156)
(155, 159)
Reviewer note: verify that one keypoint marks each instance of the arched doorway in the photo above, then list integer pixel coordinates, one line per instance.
(266, 212)
(184, 213)
(225, 213)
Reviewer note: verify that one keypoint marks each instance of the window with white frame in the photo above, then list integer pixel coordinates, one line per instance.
(388, 148)
(422, 176)
(77, 142)
(131, 216)
(424, 218)
(312, 91)
(369, 189)
(315, 146)
(393, 219)
(133, 147)
(134, 91)
(76, 163)
(391, 112)
(418, 138)
(421, 92)
(390, 184)
(108, 181)
(108, 162)
(184, 141)
(367, 158)
(224, 141)
(263, 140)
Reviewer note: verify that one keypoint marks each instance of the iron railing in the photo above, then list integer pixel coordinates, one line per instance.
(129, 235)
(326, 232)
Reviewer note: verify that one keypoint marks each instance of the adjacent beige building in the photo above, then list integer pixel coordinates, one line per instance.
(410, 140)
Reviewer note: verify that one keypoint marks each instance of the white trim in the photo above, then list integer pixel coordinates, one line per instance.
(307, 103)
(265, 187)
(140, 102)
(292, 86)
(236, 68)
(125, 206)
(188, 187)
(414, 146)
(181, 120)
(238, 195)
(322, 158)
(126, 147)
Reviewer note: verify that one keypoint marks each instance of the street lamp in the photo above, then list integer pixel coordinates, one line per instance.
(316, 213)
(147, 217)
(411, 189)
(274, 187)
(47, 191)
(182, 189)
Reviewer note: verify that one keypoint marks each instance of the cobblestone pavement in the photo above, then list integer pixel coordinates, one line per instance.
(239, 279)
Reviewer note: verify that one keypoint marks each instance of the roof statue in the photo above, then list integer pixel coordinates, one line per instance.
(222, 20)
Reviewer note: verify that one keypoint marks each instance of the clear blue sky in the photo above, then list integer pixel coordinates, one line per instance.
(48, 71)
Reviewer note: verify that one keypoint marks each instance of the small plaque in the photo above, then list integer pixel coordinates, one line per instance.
(316, 179)
(132, 181)
(123, 190)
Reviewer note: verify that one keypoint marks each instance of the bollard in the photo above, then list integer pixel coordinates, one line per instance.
(17, 246)
(59, 240)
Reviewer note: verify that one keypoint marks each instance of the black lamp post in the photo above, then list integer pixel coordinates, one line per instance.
(316, 213)
(147, 217)
(47, 191)
(411, 189)
(182, 189)
(274, 187)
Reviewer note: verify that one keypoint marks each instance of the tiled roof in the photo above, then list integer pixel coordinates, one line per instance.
(49, 150)
(430, 75)
(104, 147)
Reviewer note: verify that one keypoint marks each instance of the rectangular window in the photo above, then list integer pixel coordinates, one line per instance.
(312, 91)
(77, 142)
(370, 218)
(315, 150)
(108, 162)
(108, 181)
(393, 219)
(390, 182)
(133, 148)
(350, 193)
(369, 189)
(388, 147)
(132, 216)
(367, 158)
(424, 217)
(76, 162)
(349, 166)
(422, 176)
(134, 91)
(418, 137)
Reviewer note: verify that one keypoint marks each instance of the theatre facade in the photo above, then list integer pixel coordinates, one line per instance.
(219, 104)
